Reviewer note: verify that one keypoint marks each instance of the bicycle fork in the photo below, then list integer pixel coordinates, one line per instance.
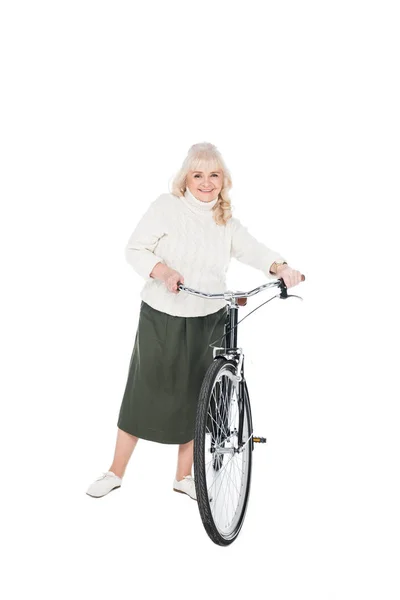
(237, 379)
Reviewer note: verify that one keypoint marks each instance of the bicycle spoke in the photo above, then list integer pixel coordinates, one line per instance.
(217, 407)
(216, 425)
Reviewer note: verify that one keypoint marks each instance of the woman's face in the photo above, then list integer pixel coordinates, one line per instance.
(205, 185)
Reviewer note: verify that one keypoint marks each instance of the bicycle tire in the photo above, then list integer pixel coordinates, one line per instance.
(219, 364)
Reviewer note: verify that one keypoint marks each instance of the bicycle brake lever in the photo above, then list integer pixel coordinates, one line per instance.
(294, 296)
(283, 291)
(281, 297)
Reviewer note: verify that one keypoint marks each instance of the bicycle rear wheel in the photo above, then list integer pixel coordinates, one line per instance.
(222, 464)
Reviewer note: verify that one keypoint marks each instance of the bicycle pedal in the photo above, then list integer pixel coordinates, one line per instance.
(259, 440)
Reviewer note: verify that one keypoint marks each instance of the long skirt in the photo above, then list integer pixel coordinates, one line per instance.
(169, 360)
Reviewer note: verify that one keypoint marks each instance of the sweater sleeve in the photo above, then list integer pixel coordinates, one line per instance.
(139, 251)
(248, 250)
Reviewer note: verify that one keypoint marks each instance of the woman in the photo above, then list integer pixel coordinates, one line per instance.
(186, 236)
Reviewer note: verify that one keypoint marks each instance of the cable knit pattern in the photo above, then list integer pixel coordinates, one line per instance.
(181, 233)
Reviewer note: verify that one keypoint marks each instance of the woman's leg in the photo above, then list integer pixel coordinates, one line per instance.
(185, 460)
(123, 450)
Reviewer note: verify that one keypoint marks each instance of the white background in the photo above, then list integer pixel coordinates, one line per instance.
(100, 103)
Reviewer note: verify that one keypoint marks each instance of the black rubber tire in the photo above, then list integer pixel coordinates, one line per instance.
(198, 453)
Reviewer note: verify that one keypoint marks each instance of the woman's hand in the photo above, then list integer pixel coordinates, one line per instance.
(169, 276)
(290, 276)
(171, 279)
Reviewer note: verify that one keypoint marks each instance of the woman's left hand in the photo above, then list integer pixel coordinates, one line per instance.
(290, 276)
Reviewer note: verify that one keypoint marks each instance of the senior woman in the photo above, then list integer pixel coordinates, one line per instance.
(186, 236)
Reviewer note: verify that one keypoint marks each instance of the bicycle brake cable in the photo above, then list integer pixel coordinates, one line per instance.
(245, 317)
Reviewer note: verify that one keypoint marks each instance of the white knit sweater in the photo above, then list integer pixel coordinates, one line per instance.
(181, 233)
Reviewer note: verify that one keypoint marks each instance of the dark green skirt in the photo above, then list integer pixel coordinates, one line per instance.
(169, 360)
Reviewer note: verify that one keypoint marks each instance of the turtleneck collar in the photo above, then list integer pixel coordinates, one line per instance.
(196, 205)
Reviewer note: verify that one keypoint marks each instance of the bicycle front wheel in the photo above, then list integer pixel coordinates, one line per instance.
(222, 452)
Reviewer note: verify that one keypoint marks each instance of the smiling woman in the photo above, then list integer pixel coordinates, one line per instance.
(185, 236)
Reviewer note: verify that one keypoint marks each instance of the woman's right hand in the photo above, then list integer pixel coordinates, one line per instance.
(171, 279)
(169, 276)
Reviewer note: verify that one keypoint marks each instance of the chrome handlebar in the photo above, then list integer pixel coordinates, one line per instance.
(230, 294)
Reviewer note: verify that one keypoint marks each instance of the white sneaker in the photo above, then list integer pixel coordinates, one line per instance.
(186, 486)
(104, 484)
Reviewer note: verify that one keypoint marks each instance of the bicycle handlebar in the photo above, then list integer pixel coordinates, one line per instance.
(231, 294)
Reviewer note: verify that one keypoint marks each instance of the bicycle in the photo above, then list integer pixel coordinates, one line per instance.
(224, 439)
